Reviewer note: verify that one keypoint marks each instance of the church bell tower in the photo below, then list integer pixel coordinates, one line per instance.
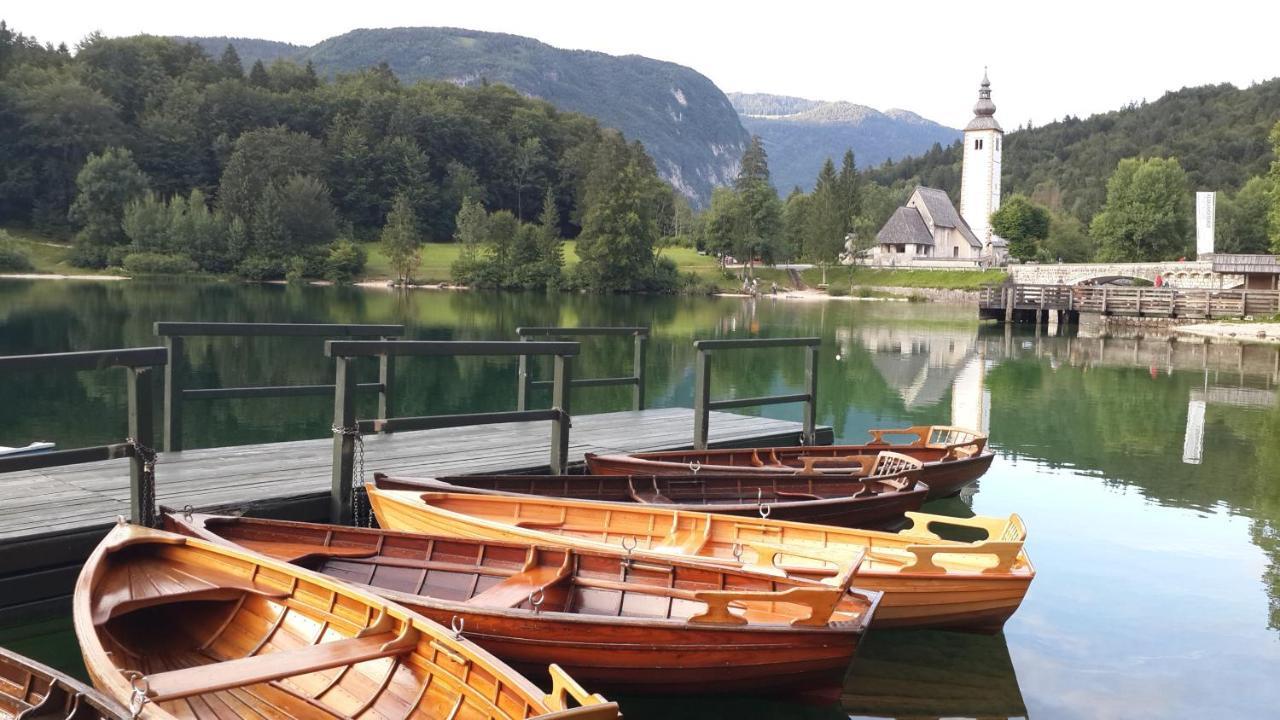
(980, 172)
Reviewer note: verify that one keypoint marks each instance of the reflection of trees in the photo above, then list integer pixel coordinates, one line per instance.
(924, 673)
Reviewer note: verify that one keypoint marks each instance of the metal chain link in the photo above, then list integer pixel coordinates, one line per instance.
(148, 489)
(361, 511)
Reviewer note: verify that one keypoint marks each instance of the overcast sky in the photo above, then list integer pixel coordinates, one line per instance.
(1046, 60)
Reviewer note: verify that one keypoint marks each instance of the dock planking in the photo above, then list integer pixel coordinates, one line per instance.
(51, 518)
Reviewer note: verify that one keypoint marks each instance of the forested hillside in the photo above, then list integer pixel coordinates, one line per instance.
(161, 158)
(1218, 134)
(801, 134)
(684, 121)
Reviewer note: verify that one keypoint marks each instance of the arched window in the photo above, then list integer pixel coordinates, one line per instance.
(977, 144)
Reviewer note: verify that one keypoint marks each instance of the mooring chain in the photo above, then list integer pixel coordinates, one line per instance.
(361, 511)
(148, 457)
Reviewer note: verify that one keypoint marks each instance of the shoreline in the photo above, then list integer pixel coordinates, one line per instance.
(902, 294)
(1240, 332)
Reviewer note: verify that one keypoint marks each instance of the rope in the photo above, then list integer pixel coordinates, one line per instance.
(147, 489)
(361, 512)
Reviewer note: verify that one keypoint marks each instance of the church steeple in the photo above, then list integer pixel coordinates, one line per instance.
(980, 171)
(984, 110)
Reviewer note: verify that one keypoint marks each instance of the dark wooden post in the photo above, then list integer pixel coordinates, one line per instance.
(1010, 294)
(811, 389)
(344, 443)
(172, 396)
(637, 393)
(142, 491)
(387, 379)
(701, 398)
(560, 394)
(522, 378)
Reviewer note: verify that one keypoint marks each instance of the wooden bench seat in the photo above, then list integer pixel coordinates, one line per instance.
(201, 679)
(519, 587)
(154, 581)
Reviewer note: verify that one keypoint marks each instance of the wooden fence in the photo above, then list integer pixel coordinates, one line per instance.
(703, 404)
(640, 339)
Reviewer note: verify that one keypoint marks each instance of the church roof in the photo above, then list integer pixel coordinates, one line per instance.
(983, 123)
(905, 227)
(944, 214)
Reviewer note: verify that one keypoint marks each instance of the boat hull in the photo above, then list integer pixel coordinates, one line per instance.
(945, 478)
(961, 600)
(32, 690)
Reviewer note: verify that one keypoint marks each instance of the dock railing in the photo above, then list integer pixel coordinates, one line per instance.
(175, 395)
(140, 364)
(347, 429)
(703, 404)
(640, 339)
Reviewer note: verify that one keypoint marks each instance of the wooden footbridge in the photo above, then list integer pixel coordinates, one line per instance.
(58, 505)
(1034, 303)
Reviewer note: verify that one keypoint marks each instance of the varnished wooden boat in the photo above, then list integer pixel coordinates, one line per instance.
(658, 625)
(876, 501)
(952, 457)
(179, 627)
(32, 691)
(926, 581)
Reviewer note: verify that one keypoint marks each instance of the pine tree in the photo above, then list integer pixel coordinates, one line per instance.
(754, 166)
(850, 189)
(230, 63)
(258, 75)
(400, 241)
(550, 245)
(828, 224)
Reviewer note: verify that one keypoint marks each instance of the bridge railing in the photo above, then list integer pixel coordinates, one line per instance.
(1135, 301)
(140, 363)
(175, 395)
(703, 404)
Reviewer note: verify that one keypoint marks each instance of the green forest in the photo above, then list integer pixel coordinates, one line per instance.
(157, 158)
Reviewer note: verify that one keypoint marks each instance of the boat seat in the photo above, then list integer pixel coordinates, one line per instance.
(648, 497)
(292, 552)
(201, 679)
(154, 581)
(516, 589)
(684, 542)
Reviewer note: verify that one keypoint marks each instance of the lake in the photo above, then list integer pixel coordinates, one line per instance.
(1148, 472)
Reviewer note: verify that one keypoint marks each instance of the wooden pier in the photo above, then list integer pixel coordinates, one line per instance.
(1033, 303)
(57, 506)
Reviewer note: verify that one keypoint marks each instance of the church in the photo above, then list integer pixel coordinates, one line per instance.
(928, 231)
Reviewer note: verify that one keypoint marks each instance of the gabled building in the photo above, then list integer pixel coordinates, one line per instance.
(929, 230)
(928, 226)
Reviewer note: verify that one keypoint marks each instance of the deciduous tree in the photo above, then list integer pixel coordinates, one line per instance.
(1147, 215)
(1022, 223)
(400, 239)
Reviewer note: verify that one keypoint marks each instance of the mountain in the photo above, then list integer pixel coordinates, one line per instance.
(685, 121)
(1217, 132)
(800, 134)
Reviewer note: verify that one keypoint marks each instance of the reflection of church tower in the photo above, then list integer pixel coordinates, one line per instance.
(970, 398)
(980, 174)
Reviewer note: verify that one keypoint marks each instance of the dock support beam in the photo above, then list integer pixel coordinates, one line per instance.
(1009, 295)
(811, 389)
(142, 482)
(387, 381)
(701, 398)
(562, 381)
(637, 393)
(344, 441)
(172, 396)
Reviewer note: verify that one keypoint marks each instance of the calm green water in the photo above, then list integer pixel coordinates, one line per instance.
(1148, 472)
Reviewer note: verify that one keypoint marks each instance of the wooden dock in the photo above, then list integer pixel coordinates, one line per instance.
(1033, 303)
(50, 518)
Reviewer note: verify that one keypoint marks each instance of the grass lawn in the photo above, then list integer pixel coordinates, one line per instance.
(48, 255)
(941, 279)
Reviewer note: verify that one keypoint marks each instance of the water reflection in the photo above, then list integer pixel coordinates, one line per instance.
(1147, 470)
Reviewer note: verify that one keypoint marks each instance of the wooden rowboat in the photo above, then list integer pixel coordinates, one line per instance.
(178, 627)
(876, 501)
(926, 581)
(32, 691)
(661, 625)
(952, 457)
